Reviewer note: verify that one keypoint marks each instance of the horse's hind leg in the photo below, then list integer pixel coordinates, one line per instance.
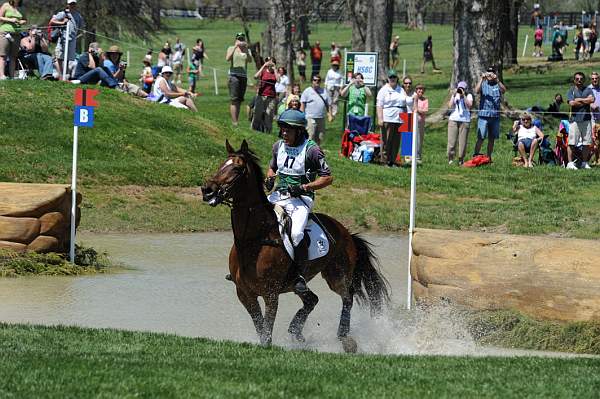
(344, 328)
(309, 301)
(253, 307)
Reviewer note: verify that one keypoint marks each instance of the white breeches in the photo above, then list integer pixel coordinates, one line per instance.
(299, 212)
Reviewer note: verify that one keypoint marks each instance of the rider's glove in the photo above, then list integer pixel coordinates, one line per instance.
(270, 183)
(296, 190)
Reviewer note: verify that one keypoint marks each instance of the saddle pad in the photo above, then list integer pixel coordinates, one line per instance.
(318, 245)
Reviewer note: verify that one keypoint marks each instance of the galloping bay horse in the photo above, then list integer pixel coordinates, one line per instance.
(260, 266)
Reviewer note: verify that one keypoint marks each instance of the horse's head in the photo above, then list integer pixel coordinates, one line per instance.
(233, 171)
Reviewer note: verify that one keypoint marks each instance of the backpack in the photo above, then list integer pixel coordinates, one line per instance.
(54, 32)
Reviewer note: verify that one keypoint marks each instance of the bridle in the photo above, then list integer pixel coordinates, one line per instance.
(223, 194)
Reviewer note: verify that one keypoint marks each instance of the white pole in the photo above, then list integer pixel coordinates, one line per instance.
(403, 68)
(66, 50)
(413, 195)
(525, 46)
(73, 195)
(216, 86)
(366, 108)
(128, 60)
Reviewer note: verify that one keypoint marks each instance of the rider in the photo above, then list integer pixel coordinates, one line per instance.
(302, 169)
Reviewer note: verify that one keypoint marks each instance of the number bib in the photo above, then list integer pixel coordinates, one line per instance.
(291, 161)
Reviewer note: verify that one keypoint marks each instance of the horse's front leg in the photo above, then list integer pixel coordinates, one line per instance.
(271, 305)
(251, 304)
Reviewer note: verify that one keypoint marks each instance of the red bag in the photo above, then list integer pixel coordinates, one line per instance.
(477, 160)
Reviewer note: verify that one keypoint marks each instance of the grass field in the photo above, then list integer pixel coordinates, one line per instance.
(48, 362)
(141, 165)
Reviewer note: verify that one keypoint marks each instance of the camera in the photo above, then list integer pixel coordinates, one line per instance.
(460, 91)
(123, 64)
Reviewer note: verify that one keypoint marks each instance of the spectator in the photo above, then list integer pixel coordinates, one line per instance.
(407, 95)
(422, 107)
(389, 101)
(357, 94)
(490, 90)
(335, 54)
(266, 99)
(281, 87)
(558, 43)
(528, 139)
(538, 37)
(554, 107)
(394, 52)
(428, 54)
(163, 59)
(333, 84)
(586, 33)
(593, 39)
(301, 62)
(89, 71)
(293, 95)
(193, 71)
(316, 55)
(315, 103)
(177, 58)
(459, 122)
(578, 42)
(595, 106)
(238, 56)
(147, 77)
(168, 93)
(72, 20)
(579, 98)
(11, 20)
(168, 52)
(117, 68)
(35, 46)
(199, 54)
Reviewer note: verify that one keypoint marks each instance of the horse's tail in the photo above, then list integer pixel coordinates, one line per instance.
(368, 283)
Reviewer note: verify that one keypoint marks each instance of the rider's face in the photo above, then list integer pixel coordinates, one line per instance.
(289, 134)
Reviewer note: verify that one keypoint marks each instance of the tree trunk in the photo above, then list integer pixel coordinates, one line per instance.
(358, 11)
(277, 38)
(477, 43)
(379, 32)
(510, 26)
(414, 14)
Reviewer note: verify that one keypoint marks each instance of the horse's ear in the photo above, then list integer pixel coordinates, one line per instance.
(229, 148)
(244, 148)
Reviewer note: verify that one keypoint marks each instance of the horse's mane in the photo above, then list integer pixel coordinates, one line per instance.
(252, 161)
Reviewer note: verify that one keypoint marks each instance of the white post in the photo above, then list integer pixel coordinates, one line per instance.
(403, 68)
(73, 195)
(413, 198)
(66, 50)
(128, 60)
(366, 108)
(216, 86)
(525, 46)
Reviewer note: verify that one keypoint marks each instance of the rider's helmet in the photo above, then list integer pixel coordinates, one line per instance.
(292, 117)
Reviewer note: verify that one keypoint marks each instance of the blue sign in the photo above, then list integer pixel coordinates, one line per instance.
(406, 146)
(84, 116)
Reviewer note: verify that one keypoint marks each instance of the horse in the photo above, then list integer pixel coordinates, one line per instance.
(260, 266)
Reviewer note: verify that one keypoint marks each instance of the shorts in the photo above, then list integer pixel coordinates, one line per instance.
(526, 143)
(580, 133)
(302, 71)
(237, 88)
(5, 44)
(488, 126)
(537, 43)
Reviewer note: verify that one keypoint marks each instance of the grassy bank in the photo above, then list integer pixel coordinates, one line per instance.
(141, 165)
(74, 362)
(87, 260)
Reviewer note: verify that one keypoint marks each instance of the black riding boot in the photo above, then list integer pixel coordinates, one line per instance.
(301, 266)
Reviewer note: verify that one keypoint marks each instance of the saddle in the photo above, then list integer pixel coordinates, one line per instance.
(318, 243)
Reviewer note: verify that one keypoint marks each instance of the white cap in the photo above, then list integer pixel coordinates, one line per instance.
(167, 69)
(71, 1)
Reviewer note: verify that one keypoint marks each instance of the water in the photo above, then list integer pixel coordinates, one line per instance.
(176, 285)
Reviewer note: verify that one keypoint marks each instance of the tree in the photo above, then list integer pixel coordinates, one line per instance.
(414, 14)
(477, 39)
(358, 13)
(379, 31)
(277, 37)
(510, 31)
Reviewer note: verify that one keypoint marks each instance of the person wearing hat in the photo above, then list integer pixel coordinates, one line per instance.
(490, 89)
(301, 169)
(459, 121)
(238, 57)
(113, 63)
(333, 84)
(89, 71)
(390, 101)
(69, 18)
(167, 92)
(146, 77)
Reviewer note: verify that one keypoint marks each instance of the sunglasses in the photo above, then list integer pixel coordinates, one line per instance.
(316, 80)
(579, 78)
(407, 83)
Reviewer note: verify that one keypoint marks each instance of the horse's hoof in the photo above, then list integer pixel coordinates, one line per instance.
(349, 344)
(298, 337)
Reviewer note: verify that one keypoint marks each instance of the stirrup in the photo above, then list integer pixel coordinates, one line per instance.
(300, 285)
